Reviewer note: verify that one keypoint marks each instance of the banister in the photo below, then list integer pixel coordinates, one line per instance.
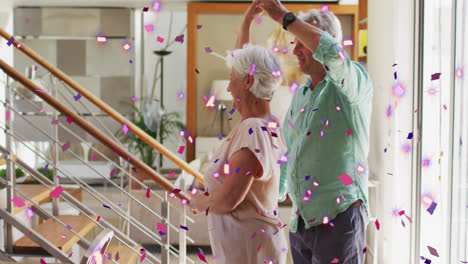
(90, 129)
(103, 106)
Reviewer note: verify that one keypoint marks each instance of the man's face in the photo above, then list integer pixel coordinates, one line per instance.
(307, 63)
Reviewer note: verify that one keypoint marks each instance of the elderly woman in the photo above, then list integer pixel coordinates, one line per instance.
(242, 182)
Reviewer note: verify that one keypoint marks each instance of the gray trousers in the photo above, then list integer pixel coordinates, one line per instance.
(321, 244)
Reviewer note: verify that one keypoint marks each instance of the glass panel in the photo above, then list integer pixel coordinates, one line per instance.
(459, 239)
(436, 136)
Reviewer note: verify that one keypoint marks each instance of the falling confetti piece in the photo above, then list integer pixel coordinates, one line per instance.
(181, 149)
(432, 207)
(112, 173)
(377, 224)
(348, 132)
(252, 69)
(77, 97)
(258, 20)
(199, 26)
(143, 257)
(45, 169)
(69, 120)
(66, 146)
(18, 202)
(149, 28)
(55, 122)
(11, 41)
(125, 129)
(232, 111)
(180, 39)
(94, 158)
(172, 174)
(335, 260)
(98, 218)
(250, 131)
(259, 246)
(160, 40)
(201, 257)
(8, 114)
(56, 192)
(148, 193)
(184, 227)
(117, 257)
(435, 76)
(161, 227)
(145, 9)
(43, 261)
(208, 50)
(346, 179)
(433, 251)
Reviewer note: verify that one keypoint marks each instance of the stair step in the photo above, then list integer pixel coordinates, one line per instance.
(57, 234)
(37, 193)
(126, 255)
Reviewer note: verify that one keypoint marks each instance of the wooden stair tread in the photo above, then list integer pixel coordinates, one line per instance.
(126, 255)
(36, 192)
(57, 234)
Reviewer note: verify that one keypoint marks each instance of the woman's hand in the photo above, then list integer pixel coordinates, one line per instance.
(199, 202)
(252, 12)
(274, 8)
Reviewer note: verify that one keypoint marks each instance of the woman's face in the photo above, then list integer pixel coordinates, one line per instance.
(236, 88)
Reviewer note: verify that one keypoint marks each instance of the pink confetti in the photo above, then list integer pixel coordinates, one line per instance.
(445, 107)
(112, 173)
(125, 129)
(70, 255)
(148, 193)
(181, 149)
(94, 158)
(201, 257)
(54, 122)
(56, 192)
(134, 99)
(98, 218)
(290, 124)
(143, 257)
(172, 174)
(66, 146)
(161, 227)
(259, 246)
(335, 260)
(7, 114)
(435, 76)
(149, 28)
(18, 202)
(346, 179)
(258, 20)
(160, 40)
(348, 132)
(43, 261)
(252, 69)
(208, 50)
(377, 224)
(69, 120)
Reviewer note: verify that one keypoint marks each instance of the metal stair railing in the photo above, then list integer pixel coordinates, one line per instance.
(82, 184)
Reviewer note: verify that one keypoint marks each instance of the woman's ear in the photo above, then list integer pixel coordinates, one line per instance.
(249, 81)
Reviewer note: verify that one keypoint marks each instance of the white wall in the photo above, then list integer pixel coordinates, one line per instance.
(390, 28)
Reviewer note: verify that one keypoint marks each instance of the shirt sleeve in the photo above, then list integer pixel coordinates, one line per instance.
(283, 188)
(347, 75)
(251, 136)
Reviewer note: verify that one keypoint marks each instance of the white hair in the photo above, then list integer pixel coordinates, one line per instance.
(326, 21)
(266, 69)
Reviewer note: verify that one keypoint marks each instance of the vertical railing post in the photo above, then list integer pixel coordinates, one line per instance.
(182, 232)
(10, 171)
(165, 239)
(55, 149)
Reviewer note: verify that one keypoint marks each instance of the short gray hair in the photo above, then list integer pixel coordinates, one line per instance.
(326, 21)
(266, 73)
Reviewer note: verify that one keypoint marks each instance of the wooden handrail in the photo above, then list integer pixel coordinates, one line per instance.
(101, 137)
(103, 106)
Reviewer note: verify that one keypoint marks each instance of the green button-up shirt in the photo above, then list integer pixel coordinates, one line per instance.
(327, 135)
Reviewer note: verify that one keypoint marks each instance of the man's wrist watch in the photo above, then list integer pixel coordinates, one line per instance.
(288, 19)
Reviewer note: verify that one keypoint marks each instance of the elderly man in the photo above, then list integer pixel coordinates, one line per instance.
(327, 134)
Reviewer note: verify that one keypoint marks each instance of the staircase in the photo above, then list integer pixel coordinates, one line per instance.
(65, 237)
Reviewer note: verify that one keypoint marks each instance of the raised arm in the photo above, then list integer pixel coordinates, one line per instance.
(244, 36)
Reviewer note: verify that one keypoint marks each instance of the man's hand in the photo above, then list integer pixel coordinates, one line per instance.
(274, 9)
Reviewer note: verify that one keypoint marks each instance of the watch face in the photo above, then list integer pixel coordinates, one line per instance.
(289, 16)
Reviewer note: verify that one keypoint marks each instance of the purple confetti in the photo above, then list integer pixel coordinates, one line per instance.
(125, 129)
(307, 177)
(208, 50)
(11, 41)
(435, 76)
(410, 135)
(196, 70)
(77, 97)
(66, 146)
(395, 75)
(250, 131)
(220, 136)
(184, 227)
(199, 26)
(54, 122)
(112, 173)
(432, 207)
(232, 111)
(45, 169)
(145, 9)
(106, 206)
(326, 68)
(180, 39)
(238, 170)
(117, 257)
(69, 227)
